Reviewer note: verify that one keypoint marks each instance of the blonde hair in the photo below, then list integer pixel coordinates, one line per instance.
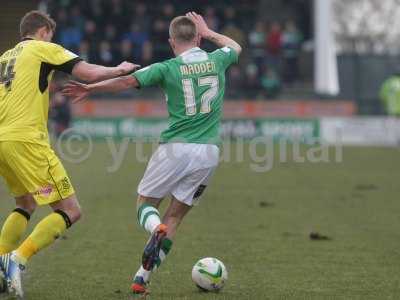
(182, 29)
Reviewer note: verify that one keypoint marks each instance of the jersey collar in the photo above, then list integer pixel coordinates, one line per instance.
(27, 39)
(194, 49)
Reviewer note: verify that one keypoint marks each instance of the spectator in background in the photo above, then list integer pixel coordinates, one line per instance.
(234, 32)
(43, 5)
(168, 12)
(110, 33)
(141, 18)
(213, 22)
(91, 34)
(116, 6)
(70, 37)
(96, 11)
(159, 36)
(105, 54)
(274, 45)
(161, 50)
(62, 19)
(60, 110)
(138, 38)
(229, 14)
(235, 78)
(85, 52)
(390, 94)
(253, 84)
(76, 18)
(126, 51)
(271, 83)
(291, 45)
(147, 57)
(211, 18)
(115, 14)
(257, 45)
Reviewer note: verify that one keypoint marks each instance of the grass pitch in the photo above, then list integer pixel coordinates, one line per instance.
(258, 224)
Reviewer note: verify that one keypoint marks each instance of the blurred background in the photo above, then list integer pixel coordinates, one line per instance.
(306, 64)
(322, 224)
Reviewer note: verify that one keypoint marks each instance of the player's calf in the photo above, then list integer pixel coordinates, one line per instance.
(148, 215)
(16, 223)
(69, 208)
(13, 229)
(174, 216)
(49, 229)
(66, 213)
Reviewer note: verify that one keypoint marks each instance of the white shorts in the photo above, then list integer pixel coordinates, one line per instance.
(179, 169)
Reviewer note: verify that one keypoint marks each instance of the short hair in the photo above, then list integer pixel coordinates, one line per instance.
(33, 21)
(182, 29)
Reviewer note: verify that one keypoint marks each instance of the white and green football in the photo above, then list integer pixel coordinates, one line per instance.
(209, 274)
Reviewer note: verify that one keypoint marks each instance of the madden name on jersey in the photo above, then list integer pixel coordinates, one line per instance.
(206, 67)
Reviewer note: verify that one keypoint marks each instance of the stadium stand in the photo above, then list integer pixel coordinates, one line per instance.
(108, 32)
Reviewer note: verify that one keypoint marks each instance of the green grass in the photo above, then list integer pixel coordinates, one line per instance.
(265, 247)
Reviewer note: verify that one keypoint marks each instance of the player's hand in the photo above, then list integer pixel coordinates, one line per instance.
(127, 67)
(76, 90)
(201, 25)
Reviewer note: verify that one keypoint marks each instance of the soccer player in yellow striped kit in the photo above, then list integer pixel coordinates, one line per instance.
(33, 173)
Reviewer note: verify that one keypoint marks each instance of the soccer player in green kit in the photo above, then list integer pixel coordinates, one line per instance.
(194, 84)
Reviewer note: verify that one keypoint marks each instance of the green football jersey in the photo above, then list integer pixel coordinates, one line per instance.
(194, 85)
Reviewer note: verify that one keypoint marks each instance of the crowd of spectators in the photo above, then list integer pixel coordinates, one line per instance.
(109, 32)
(273, 61)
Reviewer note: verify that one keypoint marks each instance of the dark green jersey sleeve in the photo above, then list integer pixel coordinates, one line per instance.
(226, 56)
(152, 75)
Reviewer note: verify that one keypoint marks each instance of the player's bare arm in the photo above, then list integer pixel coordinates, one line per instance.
(93, 73)
(79, 91)
(205, 32)
(82, 70)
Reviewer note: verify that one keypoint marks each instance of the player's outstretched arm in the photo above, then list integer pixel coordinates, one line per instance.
(93, 73)
(79, 91)
(205, 32)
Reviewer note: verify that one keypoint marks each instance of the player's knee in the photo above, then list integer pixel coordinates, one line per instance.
(75, 214)
(139, 202)
(23, 212)
(28, 208)
(147, 200)
(70, 216)
(69, 209)
(26, 204)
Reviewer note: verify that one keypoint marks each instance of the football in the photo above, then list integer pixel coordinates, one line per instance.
(209, 274)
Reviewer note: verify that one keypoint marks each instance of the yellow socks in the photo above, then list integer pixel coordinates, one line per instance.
(44, 234)
(13, 229)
